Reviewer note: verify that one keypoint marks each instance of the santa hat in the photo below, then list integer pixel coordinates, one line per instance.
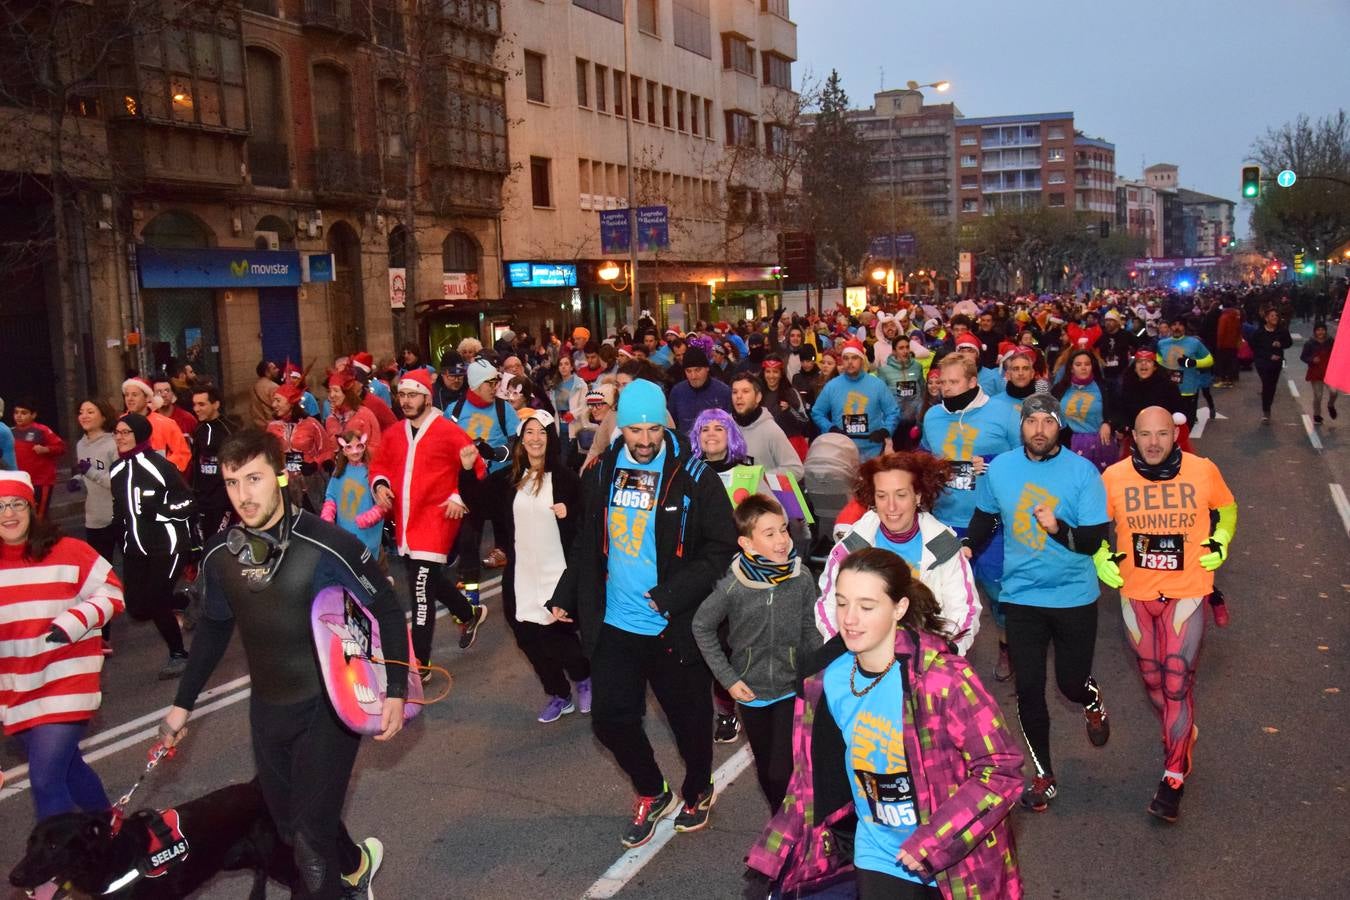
(363, 362)
(969, 340)
(340, 379)
(17, 484)
(416, 380)
(139, 384)
(1005, 351)
(1082, 341)
(625, 351)
(855, 347)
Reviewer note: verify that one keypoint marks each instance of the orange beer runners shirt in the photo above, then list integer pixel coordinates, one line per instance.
(1162, 526)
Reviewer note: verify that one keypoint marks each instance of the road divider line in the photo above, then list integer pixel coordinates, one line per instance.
(1312, 433)
(1201, 419)
(1293, 388)
(628, 865)
(1342, 506)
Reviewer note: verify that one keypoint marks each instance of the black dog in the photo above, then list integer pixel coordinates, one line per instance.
(154, 857)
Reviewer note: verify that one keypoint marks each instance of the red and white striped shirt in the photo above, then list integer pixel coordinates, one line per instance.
(75, 589)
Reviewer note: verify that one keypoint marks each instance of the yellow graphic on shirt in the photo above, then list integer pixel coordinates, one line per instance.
(855, 404)
(479, 426)
(353, 492)
(1025, 528)
(1078, 405)
(627, 528)
(876, 745)
(960, 441)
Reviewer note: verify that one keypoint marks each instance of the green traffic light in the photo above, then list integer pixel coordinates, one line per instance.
(1309, 269)
(1249, 191)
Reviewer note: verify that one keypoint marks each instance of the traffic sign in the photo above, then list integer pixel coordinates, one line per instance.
(1286, 178)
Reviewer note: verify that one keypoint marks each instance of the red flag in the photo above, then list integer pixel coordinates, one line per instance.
(1338, 370)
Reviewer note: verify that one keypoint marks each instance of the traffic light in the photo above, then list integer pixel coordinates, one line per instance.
(1251, 182)
(1309, 268)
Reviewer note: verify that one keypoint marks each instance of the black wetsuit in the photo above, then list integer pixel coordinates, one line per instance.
(304, 755)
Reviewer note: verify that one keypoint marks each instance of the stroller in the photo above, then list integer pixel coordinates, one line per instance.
(831, 468)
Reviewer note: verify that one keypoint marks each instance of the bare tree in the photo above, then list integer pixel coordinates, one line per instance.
(1314, 214)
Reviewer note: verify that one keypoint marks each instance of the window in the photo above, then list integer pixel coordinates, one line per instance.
(679, 110)
(693, 26)
(647, 12)
(332, 108)
(635, 97)
(1055, 133)
(601, 77)
(583, 83)
(388, 20)
(665, 107)
(619, 92)
(459, 253)
(391, 112)
(651, 102)
(190, 77)
(1055, 154)
(534, 77)
(736, 54)
(970, 206)
(775, 140)
(777, 71)
(970, 183)
(740, 129)
(969, 140)
(539, 182)
(968, 161)
(707, 118)
(1056, 200)
(610, 9)
(693, 113)
(268, 155)
(777, 7)
(1056, 178)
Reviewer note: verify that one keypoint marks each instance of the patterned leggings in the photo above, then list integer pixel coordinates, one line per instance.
(1165, 635)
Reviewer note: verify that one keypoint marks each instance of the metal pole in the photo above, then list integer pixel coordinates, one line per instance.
(634, 308)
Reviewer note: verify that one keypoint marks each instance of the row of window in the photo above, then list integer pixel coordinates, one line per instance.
(1012, 201)
(1027, 158)
(739, 56)
(665, 106)
(972, 182)
(601, 182)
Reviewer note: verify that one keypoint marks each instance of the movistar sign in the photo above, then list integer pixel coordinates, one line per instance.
(217, 268)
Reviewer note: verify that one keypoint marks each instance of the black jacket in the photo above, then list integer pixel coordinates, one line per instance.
(695, 541)
(152, 504)
(1137, 395)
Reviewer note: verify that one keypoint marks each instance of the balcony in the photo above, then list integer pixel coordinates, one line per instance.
(189, 161)
(269, 164)
(465, 192)
(345, 174)
(477, 15)
(349, 18)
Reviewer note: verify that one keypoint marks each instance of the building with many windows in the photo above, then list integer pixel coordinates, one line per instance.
(1176, 222)
(710, 105)
(912, 149)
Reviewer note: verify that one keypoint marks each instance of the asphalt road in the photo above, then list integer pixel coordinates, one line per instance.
(477, 800)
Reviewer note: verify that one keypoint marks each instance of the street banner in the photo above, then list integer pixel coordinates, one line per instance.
(1338, 370)
(892, 246)
(398, 288)
(653, 228)
(613, 231)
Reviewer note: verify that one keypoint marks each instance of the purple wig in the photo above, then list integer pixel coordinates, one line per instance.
(735, 440)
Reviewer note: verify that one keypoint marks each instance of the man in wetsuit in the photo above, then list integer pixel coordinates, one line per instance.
(304, 755)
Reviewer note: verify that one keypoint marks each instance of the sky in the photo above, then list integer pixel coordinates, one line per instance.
(1190, 82)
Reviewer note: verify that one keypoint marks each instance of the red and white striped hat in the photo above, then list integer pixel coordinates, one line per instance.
(854, 346)
(16, 484)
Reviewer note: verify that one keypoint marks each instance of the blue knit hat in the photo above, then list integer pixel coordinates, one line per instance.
(641, 403)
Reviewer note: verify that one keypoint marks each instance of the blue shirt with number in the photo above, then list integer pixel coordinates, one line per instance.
(631, 524)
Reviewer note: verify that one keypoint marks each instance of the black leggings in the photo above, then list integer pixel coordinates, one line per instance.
(1270, 380)
(304, 758)
(554, 652)
(769, 730)
(495, 507)
(104, 542)
(424, 580)
(148, 585)
(1031, 631)
(880, 886)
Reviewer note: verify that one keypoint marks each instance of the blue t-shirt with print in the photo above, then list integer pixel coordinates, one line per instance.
(1170, 351)
(381, 390)
(631, 523)
(1082, 408)
(984, 431)
(1037, 569)
(911, 551)
(875, 763)
(483, 424)
(351, 493)
(992, 381)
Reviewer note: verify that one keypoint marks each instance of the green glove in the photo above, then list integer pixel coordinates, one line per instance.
(1218, 550)
(1107, 569)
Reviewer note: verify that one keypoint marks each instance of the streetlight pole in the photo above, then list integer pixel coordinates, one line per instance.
(634, 309)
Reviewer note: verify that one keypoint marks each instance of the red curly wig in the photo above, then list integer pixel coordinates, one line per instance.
(930, 476)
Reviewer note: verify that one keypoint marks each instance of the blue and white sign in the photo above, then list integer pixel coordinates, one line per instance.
(614, 231)
(217, 268)
(541, 275)
(317, 267)
(653, 228)
(1286, 178)
(892, 246)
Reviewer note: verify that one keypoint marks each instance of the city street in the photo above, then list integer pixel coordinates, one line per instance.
(477, 800)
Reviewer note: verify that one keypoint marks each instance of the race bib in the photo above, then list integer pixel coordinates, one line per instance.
(294, 461)
(634, 489)
(1112, 363)
(907, 390)
(208, 468)
(890, 797)
(962, 477)
(855, 425)
(1158, 552)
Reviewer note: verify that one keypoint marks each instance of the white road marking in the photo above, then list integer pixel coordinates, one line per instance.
(13, 786)
(1312, 433)
(628, 865)
(1201, 419)
(1342, 506)
(1293, 388)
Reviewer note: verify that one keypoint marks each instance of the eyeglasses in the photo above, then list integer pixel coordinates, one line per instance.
(9, 506)
(124, 431)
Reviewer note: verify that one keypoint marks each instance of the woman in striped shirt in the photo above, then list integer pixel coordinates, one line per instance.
(55, 594)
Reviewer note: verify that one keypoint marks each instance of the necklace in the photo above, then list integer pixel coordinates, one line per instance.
(876, 681)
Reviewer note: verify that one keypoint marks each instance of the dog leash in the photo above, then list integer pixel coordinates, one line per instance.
(157, 754)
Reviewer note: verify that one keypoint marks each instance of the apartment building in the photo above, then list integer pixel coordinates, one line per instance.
(710, 104)
(1176, 221)
(912, 146)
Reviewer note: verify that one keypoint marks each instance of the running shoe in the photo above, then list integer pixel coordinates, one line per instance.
(1003, 670)
(584, 696)
(373, 851)
(556, 708)
(496, 559)
(1094, 715)
(174, 668)
(1166, 802)
(1037, 795)
(647, 811)
(1317, 420)
(468, 631)
(1331, 408)
(727, 730)
(695, 817)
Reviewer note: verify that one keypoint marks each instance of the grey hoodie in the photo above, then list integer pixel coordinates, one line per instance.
(770, 628)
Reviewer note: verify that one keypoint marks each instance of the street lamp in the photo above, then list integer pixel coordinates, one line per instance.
(878, 274)
(939, 86)
(609, 272)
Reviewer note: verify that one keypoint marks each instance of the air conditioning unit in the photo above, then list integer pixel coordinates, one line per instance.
(266, 240)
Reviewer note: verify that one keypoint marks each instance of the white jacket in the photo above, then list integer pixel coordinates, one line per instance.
(943, 568)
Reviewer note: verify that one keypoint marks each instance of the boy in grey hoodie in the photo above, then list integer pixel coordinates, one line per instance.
(767, 601)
